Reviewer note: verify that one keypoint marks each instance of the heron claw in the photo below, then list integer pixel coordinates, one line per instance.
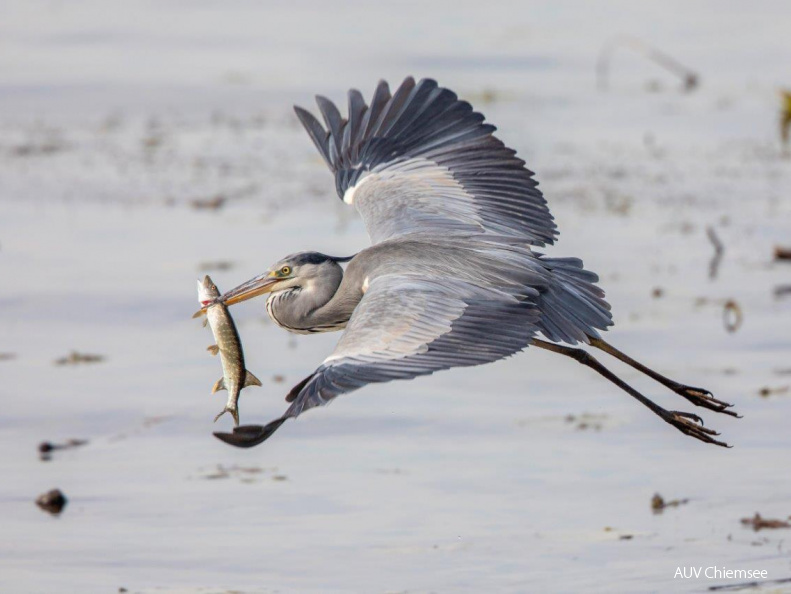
(692, 425)
(704, 398)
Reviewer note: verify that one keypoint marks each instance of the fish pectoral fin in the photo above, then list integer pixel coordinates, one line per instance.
(213, 349)
(205, 322)
(250, 380)
(199, 313)
(219, 385)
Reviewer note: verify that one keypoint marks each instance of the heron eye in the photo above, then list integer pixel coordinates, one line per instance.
(285, 270)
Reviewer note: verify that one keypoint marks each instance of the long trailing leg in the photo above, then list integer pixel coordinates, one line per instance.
(688, 423)
(697, 396)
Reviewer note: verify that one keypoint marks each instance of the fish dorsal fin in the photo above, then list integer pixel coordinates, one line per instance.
(213, 349)
(219, 385)
(250, 380)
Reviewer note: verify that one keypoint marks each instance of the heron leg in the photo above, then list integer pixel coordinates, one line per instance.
(688, 423)
(697, 396)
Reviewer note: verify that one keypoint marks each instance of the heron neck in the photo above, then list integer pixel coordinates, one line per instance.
(313, 307)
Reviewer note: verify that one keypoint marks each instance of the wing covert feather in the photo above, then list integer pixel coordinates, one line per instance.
(408, 326)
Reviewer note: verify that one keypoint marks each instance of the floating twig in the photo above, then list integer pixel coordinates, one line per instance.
(719, 250)
(208, 203)
(45, 448)
(658, 504)
(732, 316)
(690, 80)
(75, 358)
(782, 253)
(766, 391)
(785, 118)
(759, 523)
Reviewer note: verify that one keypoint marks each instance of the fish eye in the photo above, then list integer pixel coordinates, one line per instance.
(285, 270)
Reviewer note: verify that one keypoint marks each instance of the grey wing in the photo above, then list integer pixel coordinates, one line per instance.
(405, 327)
(423, 162)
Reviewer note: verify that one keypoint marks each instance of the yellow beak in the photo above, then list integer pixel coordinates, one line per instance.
(252, 288)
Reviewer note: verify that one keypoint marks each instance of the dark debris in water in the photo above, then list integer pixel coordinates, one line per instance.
(45, 448)
(7, 356)
(766, 391)
(719, 250)
(785, 117)
(218, 265)
(35, 149)
(77, 358)
(245, 474)
(732, 316)
(215, 203)
(757, 522)
(782, 253)
(52, 501)
(586, 421)
(658, 503)
(749, 585)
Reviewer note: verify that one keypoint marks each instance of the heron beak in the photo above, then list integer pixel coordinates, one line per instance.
(252, 288)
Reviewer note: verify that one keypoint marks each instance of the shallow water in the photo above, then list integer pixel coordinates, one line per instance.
(531, 474)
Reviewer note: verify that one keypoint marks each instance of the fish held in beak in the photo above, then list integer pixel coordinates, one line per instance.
(259, 285)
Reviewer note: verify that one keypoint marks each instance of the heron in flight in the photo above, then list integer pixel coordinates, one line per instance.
(452, 278)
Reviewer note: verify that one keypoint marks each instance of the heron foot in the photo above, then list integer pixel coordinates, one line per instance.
(692, 425)
(704, 398)
(248, 436)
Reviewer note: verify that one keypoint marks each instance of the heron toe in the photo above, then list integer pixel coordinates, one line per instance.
(704, 398)
(692, 425)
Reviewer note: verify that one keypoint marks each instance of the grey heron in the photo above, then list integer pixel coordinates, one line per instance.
(453, 277)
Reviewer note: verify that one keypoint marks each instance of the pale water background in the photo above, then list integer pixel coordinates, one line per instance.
(114, 118)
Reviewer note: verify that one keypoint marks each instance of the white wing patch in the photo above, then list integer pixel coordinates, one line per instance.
(348, 195)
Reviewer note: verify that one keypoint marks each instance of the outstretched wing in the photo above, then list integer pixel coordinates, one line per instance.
(404, 327)
(422, 161)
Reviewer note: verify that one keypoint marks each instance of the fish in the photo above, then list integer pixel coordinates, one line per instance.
(235, 376)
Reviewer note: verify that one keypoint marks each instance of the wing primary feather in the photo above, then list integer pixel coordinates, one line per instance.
(357, 108)
(316, 131)
(393, 108)
(378, 101)
(332, 117)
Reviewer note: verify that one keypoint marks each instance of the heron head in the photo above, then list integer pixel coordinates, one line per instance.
(297, 270)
